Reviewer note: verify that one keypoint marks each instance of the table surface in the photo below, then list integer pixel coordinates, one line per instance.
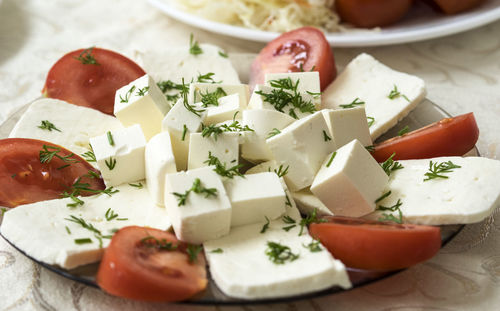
(462, 73)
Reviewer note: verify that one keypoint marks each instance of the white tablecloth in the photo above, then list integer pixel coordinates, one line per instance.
(462, 73)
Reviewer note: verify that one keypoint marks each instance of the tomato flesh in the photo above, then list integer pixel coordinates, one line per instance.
(447, 137)
(372, 245)
(304, 48)
(91, 85)
(24, 179)
(135, 270)
(457, 6)
(372, 13)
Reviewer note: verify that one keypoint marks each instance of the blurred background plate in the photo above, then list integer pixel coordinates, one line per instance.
(421, 23)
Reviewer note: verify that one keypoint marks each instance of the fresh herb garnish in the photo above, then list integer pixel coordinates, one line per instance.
(212, 98)
(216, 130)
(194, 48)
(265, 226)
(152, 242)
(184, 132)
(223, 54)
(2, 211)
(390, 165)
(354, 103)
(220, 168)
(86, 57)
(273, 132)
(403, 131)
(395, 93)
(49, 126)
(110, 215)
(314, 246)
(48, 152)
(370, 121)
(436, 170)
(206, 78)
(391, 217)
(93, 175)
(193, 251)
(217, 251)
(138, 185)
(111, 141)
(143, 91)
(111, 163)
(383, 196)
(370, 148)
(325, 136)
(67, 230)
(196, 188)
(279, 253)
(97, 233)
(331, 159)
(311, 218)
(185, 101)
(281, 171)
(83, 241)
(89, 156)
(290, 221)
(127, 95)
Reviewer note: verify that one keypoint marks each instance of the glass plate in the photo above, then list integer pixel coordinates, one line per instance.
(425, 113)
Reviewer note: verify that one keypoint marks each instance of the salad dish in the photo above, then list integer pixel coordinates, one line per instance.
(173, 181)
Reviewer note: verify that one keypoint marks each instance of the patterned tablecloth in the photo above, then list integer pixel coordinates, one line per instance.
(462, 73)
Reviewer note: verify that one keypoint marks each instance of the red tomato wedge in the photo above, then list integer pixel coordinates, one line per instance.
(24, 179)
(304, 48)
(457, 6)
(150, 265)
(372, 245)
(448, 137)
(372, 13)
(90, 78)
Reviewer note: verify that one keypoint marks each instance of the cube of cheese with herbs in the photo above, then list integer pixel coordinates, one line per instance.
(183, 119)
(305, 83)
(226, 108)
(197, 205)
(302, 147)
(206, 92)
(350, 181)
(141, 102)
(293, 103)
(224, 147)
(348, 124)
(387, 95)
(255, 197)
(160, 161)
(120, 155)
(265, 124)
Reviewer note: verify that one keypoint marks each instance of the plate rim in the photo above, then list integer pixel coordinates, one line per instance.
(456, 24)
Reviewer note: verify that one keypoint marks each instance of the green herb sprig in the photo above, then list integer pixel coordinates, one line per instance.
(279, 254)
(86, 57)
(49, 126)
(436, 170)
(220, 168)
(196, 188)
(390, 165)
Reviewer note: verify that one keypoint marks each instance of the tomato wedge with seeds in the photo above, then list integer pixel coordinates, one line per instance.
(304, 48)
(447, 137)
(90, 78)
(24, 179)
(372, 245)
(150, 265)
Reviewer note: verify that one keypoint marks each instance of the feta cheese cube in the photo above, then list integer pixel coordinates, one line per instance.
(264, 123)
(229, 107)
(348, 124)
(254, 197)
(224, 146)
(370, 81)
(268, 166)
(350, 181)
(308, 202)
(258, 101)
(302, 148)
(120, 155)
(197, 90)
(141, 102)
(159, 162)
(180, 123)
(202, 217)
(307, 82)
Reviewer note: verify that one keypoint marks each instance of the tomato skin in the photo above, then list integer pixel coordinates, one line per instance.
(380, 246)
(131, 270)
(372, 13)
(457, 6)
(90, 85)
(306, 46)
(23, 179)
(447, 137)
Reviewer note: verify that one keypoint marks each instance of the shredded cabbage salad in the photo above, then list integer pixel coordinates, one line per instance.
(267, 15)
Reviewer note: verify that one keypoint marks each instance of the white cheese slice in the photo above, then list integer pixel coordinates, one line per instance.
(201, 217)
(264, 123)
(254, 197)
(243, 270)
(141, 102)
(469, 194)
(348, 124)
(302, 148)
(180, 123)
(268, 166)
(307, 202)
(123, 161)
(349, 181)
(41, 229)
(224, 146)
(160, 161)
(370, 81)
(229, 107)
(197, 90)
(76, 124)
(306, 82)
